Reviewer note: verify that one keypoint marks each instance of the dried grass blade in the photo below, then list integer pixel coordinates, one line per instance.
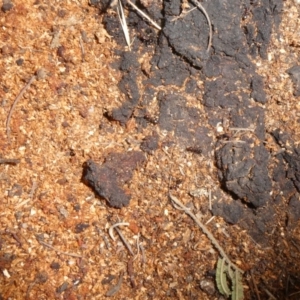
(144, 15)
(199, 5)
(124, 24)
(111, 229)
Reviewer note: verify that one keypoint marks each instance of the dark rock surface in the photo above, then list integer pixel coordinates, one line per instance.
(232, 91)
(150, 143)
(244, 176)
(294, 72)
(108, 179)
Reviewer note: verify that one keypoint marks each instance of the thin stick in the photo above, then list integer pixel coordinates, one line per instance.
(293, 294)
(199, 5)
(59, 251)
(144, 15)
(206, 231)
(143, 259)
(255, 286)
(270, 294)
(124, 241)
(82, 49)
(210, 220)
(241, 129)
(209, 198)
(233, 141)
(137, 245)
(13, 161)
(33, 189)
(15, 103)
(115, 289)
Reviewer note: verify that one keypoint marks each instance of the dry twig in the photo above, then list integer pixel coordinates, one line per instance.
(115, 289)
(255, 286)
(271, 296)
(12, 161)
(82, 49)
(233, 141)
(58, 251)
(207, 222)
(115, 226)
(143, 257)
(241, 129)
(178, 205)
(15, 103)
(40, 74)
(293, 294)
(33, 189)
(124, 241)
(130, 271)
(209, 198)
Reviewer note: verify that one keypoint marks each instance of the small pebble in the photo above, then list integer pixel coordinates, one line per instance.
(208, 286)
(41, 74)
(20, 61)
(7, 6)
(61, 13)
(81, 227)
(62, 287)
(55, 266)
(189, 279)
